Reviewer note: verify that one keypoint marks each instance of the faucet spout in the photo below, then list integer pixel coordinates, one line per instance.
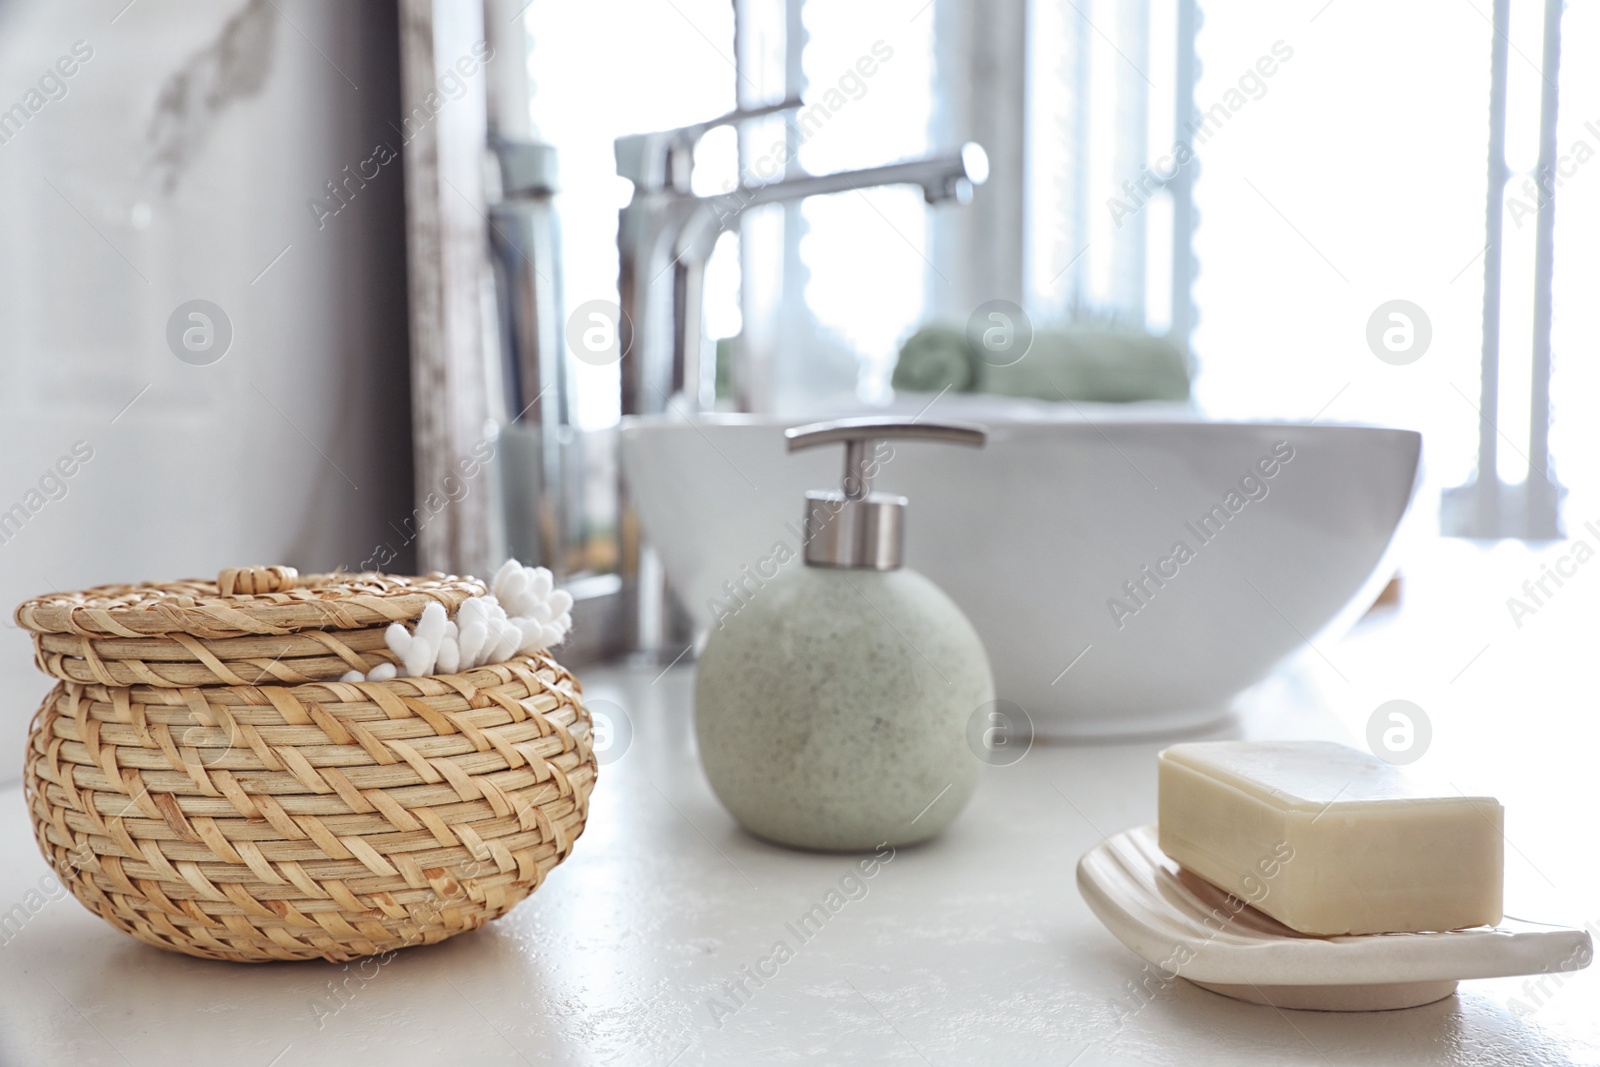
(942, 177)
(947, 177)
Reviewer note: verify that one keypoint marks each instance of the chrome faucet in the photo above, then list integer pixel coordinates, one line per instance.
(665, 236)
(666, 233)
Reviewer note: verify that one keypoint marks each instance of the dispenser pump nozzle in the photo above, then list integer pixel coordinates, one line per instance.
(859, 528)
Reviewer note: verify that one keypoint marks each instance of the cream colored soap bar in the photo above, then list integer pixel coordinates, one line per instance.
(1329, 840)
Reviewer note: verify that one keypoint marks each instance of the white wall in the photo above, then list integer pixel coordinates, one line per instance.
(294, 447)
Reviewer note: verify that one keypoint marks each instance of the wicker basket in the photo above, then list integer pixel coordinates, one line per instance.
(199, 780)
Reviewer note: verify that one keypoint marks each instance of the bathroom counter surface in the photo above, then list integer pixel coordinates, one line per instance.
(671, 937)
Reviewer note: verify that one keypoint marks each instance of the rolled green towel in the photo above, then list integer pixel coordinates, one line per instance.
(1074, 362)
(935, 358)
(727, 351)
(1094, 364)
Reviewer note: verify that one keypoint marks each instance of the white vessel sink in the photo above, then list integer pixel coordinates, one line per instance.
(1036, 535)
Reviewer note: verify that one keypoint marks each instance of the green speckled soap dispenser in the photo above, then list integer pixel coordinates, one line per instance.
(832, 707)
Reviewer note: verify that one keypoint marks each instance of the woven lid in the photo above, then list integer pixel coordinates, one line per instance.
(245, 601)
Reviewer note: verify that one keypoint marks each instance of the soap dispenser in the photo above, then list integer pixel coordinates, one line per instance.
(831, 705)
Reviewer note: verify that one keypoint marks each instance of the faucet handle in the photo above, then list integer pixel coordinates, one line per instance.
(646, 158)
(739, 115)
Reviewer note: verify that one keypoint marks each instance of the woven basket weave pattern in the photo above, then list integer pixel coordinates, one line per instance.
(322, 820)
(181, 660)
(195, 607)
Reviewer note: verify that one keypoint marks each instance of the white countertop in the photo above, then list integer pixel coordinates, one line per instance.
(973, 949)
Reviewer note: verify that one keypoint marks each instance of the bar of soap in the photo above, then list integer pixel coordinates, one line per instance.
(1329, 840)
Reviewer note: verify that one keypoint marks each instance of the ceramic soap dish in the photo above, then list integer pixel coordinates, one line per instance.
(1183, 926)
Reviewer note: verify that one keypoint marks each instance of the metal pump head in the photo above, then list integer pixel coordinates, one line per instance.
(859, 528)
